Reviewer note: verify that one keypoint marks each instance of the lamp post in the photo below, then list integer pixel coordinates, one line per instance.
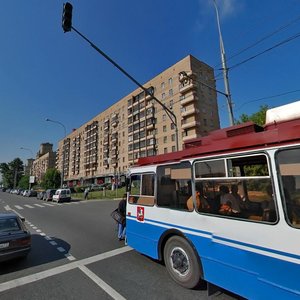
(63, 156)
(225, 69)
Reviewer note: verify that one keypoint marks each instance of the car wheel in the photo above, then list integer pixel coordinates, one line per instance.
(182, 262)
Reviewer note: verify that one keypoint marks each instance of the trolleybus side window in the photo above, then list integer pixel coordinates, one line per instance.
(289, 170)
(141, 189)
(174, 185)
(238, 187)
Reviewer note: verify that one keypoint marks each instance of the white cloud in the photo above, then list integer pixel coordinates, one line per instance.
(226, 8)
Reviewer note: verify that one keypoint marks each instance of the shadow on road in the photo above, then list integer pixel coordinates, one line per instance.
(42, 252)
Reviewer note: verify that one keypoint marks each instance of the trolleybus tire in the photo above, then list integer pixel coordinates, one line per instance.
(182, 262)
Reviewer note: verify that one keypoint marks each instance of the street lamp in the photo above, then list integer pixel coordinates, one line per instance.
(23, 148)
(225, 69)
(63, 156)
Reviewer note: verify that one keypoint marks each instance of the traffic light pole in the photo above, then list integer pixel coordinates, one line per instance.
(170, 114)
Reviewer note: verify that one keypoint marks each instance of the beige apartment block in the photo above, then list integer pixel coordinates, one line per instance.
(45, 159)
(103, 149)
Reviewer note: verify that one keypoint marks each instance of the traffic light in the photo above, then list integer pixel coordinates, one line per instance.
(67, 17)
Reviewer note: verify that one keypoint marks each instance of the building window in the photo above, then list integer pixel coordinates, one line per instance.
(165, 150)
(164, 128)
(170, 81)
(165, 139)
(171, 92)
(163, 96)
(162, 85)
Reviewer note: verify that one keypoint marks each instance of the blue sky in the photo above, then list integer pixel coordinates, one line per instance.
(45, 73)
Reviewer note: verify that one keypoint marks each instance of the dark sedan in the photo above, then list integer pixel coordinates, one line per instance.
(15, 238)
(49, 194)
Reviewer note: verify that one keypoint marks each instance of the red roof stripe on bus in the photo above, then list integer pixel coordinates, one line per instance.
(250, 136)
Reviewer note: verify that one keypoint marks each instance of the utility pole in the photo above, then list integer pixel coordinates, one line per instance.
(224, 69)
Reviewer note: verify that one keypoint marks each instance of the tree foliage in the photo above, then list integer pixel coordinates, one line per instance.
(12, 172)
(24, 182)
(51, 179)
(258, 118)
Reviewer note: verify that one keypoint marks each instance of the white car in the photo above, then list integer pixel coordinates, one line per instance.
(62, 195)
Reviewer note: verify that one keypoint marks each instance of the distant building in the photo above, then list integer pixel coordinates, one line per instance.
(45, 159)
(103, 149)
(28, 167)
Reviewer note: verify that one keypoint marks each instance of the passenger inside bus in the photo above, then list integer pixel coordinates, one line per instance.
(229, 203)
(201, 202)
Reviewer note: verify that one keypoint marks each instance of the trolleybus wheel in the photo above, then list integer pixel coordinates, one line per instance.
(182, 262)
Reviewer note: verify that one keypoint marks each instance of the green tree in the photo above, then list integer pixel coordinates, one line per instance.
(12, 172)
(258, 118)
(51, 179)
(24, 182)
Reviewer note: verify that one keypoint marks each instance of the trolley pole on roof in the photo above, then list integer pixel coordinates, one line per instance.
(224, 69)
(67, 27)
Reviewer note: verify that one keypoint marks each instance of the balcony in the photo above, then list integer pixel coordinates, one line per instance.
(187, 87)
(188, 99)
(189, 112)
(190, 124)
(189, 137)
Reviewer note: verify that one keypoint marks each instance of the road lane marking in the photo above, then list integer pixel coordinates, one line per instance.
(29, 206)
(48, 204)
(70, 257)
(39, 205)
(18, 207)
(61, 269)
(103, 285)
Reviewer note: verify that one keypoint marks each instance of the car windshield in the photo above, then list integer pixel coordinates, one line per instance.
(9, 224)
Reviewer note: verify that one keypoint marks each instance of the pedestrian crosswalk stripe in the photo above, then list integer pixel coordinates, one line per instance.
(18, 207)
(39, 205)
(29, 206)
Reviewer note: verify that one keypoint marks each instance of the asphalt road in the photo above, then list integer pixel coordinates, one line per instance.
(76, 255)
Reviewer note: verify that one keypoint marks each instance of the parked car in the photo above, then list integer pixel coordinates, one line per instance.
(49, 194)
(40, 195)
(15, 238)
(25, 192)
(62, 195)
(31, 193)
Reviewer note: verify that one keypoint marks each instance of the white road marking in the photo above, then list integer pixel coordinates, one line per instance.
(18, 207)
(70, 257)
(108, 289)
(48, 204)
(39, 205)
(61, 269)
(29, 206)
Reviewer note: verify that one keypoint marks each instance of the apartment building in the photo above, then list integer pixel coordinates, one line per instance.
(45, 159)
(138, 125)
